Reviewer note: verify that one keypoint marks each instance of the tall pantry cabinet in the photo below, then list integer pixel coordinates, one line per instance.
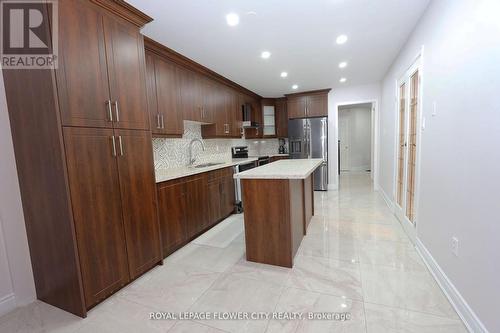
(83, 149)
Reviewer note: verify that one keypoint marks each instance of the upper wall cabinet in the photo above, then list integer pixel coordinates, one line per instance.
(281, 118)
(308, 104)
(164, 96)
(203, 96)
(101, 78)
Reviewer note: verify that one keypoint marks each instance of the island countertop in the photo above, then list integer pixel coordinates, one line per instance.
(282, 169)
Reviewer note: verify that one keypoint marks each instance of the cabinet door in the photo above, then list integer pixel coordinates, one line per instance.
(196, 204)
(168, 93)
(214, 202)
(236, 115)
(317, 105)
(188, 95)
(126, 68)
(281, 118)
(155, 118)
(172, 211)
(296, 107)
(138, 193)
(209, 100)
(97, 211)
(82, 75)
(227, 193)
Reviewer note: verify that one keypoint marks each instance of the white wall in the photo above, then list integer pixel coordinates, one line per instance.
(460, 146)
(345, 96)
(359, 133)
(16, 280)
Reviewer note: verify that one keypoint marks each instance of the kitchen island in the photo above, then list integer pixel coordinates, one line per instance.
(278, 202)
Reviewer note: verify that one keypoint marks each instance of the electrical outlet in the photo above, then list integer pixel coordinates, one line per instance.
(454, 246)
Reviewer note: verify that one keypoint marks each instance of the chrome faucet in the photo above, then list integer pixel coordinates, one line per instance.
(190, 150)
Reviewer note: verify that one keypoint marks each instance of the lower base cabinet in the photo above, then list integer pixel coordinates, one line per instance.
(191, 205)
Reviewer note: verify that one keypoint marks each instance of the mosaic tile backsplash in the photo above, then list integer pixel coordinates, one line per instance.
(173, 153)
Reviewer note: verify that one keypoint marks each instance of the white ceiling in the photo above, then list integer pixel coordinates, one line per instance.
(300, 34)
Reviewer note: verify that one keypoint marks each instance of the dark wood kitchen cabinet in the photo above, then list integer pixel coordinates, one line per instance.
(164, 96)
(196, 203)
(138, 196)
(113, 193)
(220, 194)
(296, 107)
(90, 205)
(101, 73)
(281, 118)
(191, 205)
(172, 214)
(97, 210)
(308, 104)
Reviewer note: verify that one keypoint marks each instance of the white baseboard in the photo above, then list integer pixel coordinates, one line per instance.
(388, 201)
(7, 304)
(463, 309)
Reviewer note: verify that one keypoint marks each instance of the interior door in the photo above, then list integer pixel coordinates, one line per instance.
(138, 193)
(344, 144)
(412, 146)
(126, 68)
(91, 155)
(409, 94)
(82, 74)
(401, 145)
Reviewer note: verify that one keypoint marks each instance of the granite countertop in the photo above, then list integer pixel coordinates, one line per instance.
(283, 169)
(163, 175)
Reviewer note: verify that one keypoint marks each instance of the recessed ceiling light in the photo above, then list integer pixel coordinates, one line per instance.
(284, 74)
(232, 19)
(341, 39)
(295, 86)
(342, 80)
(343, 64)
(265, 55)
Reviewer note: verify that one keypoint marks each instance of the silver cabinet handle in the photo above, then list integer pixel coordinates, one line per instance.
(113, 143)
(110, 112)
(162, 122)
(117, 111)
(158, 121)
(121, 144)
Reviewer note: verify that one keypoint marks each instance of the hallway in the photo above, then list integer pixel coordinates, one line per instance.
(354, 259)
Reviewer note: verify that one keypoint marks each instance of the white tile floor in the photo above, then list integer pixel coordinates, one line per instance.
(355, 258)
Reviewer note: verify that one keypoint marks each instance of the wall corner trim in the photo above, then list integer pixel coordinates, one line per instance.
(469, 318)
(7, 304)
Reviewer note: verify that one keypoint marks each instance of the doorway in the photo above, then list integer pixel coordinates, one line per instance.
(408, 117)
(355, 137)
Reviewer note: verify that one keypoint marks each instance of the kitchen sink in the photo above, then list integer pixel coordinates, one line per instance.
(205, 165)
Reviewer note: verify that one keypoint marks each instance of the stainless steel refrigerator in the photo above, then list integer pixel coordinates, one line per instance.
(308, 138)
